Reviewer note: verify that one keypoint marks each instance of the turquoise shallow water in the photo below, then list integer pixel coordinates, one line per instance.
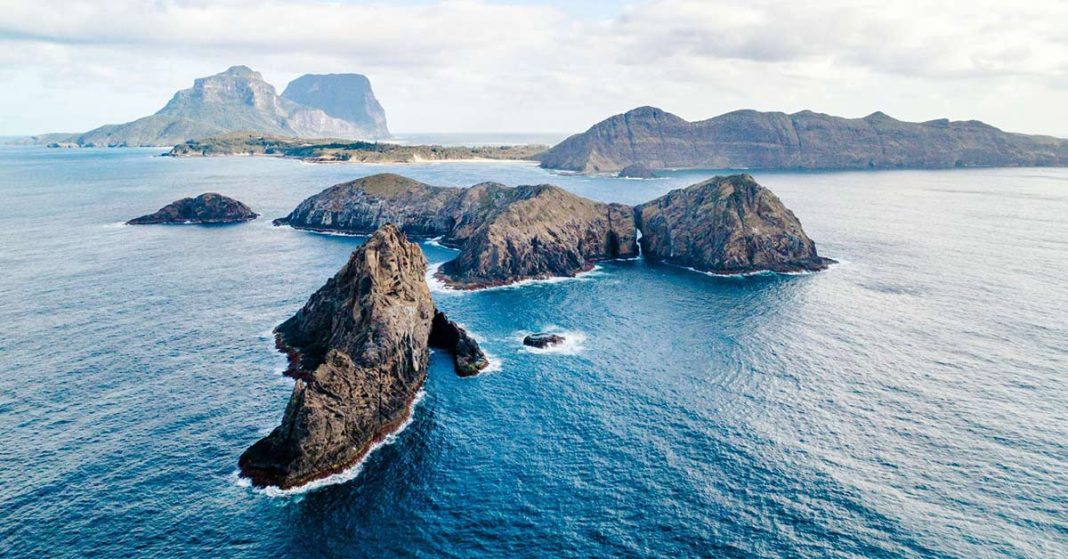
(909, 402)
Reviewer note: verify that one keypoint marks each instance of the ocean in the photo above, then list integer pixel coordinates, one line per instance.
(912, 401)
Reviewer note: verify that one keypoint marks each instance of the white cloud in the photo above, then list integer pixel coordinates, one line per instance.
(470, 65)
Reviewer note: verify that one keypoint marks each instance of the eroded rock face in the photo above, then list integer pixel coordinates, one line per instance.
(726, 225)
(543, 231)
(206, 208)
(359, 353)
(450, 336)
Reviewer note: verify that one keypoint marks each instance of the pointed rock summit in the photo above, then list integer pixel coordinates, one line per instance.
(359, 353)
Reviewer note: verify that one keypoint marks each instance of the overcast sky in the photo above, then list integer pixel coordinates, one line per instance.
(548, 66)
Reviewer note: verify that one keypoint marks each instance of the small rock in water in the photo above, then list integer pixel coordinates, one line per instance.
(543, 340)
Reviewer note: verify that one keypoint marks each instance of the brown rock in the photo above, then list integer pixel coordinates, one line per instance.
(726, 225)
(360, 348)
(543, 231)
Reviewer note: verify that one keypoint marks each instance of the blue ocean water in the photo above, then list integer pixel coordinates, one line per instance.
(909, 402)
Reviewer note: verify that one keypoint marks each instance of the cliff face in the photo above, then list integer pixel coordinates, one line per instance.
(806, 140)
(726, 225)
(206, 208)
(543, 231)
(231, 101)
(345, 96)
(359, 352)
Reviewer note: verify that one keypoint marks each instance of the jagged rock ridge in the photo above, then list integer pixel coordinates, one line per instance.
(805, 140)
(206, 208)
(359, 353)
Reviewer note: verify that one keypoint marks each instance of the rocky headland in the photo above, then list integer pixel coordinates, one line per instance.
(341, 151)
(805, 140)
(207, 208)
(359, 351)
(726, 225)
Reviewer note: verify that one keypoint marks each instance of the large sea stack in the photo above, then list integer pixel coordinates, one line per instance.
(805, 140)
(359, 353)
(208, 208)
(726, 225)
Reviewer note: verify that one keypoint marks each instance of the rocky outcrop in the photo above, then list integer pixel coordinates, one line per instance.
(359, 353)
(726, 225)
(466, 354)
(361, 206)
(636, 171)
(235, 100)
(541, 231)
(205, 209)
(806, 140)
(345, 96)
(543, 340)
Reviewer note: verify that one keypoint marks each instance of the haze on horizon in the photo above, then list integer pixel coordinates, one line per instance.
(547, 66)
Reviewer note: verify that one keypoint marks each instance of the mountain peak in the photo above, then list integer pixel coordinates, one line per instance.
(241, 71)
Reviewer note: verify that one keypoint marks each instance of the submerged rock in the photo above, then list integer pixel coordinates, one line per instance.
(359, 353)
(726, 225)
(206, 208)
(542, 231)
(467, 355)
(636, 171)
(543, 340)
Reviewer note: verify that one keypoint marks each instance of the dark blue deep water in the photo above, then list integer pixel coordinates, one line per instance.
(910, 402)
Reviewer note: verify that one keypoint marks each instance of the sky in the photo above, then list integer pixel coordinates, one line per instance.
(548, 66)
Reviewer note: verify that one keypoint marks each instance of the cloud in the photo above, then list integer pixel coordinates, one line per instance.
(477, 65)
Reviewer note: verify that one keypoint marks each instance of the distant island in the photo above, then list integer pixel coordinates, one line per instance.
(207, 208)
(312, 106)
(655, 139)
(337, 150)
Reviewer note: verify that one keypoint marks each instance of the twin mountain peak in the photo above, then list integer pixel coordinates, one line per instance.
(239, 100)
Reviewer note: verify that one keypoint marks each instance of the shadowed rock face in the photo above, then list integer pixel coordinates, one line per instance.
(804, 140)
(543, 231)
(206, 208)
(450, 336)
(726, 225)
(359, 352)
(345, 96)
